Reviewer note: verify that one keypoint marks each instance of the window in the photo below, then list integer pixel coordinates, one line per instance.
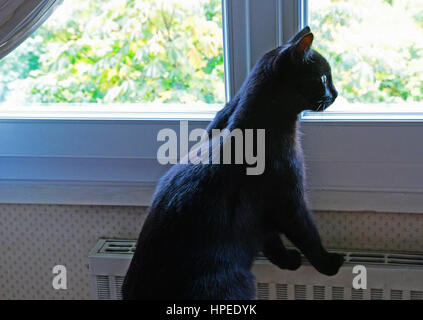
(115, 52)
(355, 160)
(377, 58)
(365, 152)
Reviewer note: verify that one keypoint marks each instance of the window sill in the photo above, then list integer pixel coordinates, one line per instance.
(76, 193)
(140, 194)
(110, 112)
(408, 112)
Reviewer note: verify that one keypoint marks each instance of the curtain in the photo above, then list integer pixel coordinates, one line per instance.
(20, 18)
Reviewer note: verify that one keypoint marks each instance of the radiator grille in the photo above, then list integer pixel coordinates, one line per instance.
(396, 294)
(103, 287)
(118, 287)
(110, 259)
(300, 292)
(281, 291)
(319, 293)
(337, 293)
(376, 294)
(357, 294)
(262, 291)
(416, 295)
(118, 247)
(384, 258)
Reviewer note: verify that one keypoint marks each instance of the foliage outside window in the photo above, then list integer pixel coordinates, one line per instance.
(170, 51)
(118, 51)
(375, 48)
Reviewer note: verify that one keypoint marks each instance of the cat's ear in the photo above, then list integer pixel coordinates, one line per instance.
(300, 34)
(303, 46)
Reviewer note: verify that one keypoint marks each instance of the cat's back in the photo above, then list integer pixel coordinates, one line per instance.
(197, 229)
(201, 197)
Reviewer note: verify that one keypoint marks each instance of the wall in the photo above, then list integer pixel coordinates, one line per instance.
(34, 238)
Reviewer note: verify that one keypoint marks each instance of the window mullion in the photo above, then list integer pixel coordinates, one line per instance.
(251, 29)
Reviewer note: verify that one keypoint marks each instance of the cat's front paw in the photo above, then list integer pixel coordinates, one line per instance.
(292, 260)
(331, 264)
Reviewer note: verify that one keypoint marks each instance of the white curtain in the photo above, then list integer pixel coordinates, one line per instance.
(20, 18)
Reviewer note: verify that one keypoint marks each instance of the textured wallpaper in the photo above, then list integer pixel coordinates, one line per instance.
(35, 238)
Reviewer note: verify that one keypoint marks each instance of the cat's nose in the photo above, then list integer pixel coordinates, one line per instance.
(334, 93)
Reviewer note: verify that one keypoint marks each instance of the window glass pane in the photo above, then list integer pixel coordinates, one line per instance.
(375, 49)
(120, 51)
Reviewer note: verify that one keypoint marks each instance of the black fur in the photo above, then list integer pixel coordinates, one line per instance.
(208, 222)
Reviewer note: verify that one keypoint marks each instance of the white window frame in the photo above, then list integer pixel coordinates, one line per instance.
(109, 158)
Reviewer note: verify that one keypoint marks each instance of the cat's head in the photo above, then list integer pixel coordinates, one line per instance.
(301, 75)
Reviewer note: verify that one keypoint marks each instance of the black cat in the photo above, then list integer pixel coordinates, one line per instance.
(207, 222)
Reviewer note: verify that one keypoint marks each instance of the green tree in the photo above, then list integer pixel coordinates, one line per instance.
(375, 47)
(122, 51)
(170, 51)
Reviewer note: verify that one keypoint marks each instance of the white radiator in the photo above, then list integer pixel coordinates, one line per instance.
(390, 276)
